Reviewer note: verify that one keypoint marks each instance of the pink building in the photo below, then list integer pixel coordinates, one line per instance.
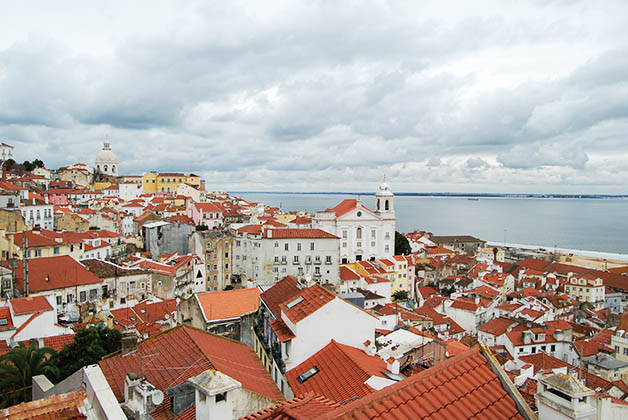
(207, 214)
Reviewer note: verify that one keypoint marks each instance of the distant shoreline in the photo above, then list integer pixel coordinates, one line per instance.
(448, 194)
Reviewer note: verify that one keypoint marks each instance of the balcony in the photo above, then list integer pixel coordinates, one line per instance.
(317, 262)
(276, 262)
(328, 262)
(284, 262)
(295, 262)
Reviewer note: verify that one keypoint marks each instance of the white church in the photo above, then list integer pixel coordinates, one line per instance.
(364, 234)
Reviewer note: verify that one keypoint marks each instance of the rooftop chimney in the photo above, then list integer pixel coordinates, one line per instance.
(214, 395)
(129, 342)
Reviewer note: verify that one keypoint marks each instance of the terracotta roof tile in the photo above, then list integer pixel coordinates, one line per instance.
(29, 305)
(312, 299)
(228, 304)
(58, 342)
(281, 330)
(290, 233)
(342, 372)
(5, 313)
(50, 273)
(464, 384)
(63, 406)
(303, 407)
(173, 356)
(282, 291)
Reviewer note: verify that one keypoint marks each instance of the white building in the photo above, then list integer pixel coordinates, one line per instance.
(107, 161)
(6, 151)
(38, 215)
(364, 234)
(129, 191)
(263, 255)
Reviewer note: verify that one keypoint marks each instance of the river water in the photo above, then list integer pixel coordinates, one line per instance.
(587, 224)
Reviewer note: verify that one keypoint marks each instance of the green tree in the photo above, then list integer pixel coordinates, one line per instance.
(400, 295)
(37, 163)
(201, 227)
(89, 346)
(402, 245)
(17, 369)
(10, 164)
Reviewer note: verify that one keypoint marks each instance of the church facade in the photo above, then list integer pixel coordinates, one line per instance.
(364, 234)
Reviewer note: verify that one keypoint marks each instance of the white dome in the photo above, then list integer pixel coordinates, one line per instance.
(107, 161)
(384, 189)
(106, 155)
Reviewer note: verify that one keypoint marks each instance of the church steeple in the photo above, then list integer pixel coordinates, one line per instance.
(385, 201)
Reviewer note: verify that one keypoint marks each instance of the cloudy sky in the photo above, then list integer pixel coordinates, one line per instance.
(504, 96)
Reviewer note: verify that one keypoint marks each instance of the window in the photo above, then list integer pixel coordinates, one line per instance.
(299, 246)
(133, 284)
(344, 244)
(328, 259)
(387, 248)
(317, 270)
(344, 234)
(625, 351)
(70, 297)
(56, 250)
(59, 300)
(38, 252)
(83, 296)
(307, 374)
(373, 234)
(387, 236)
(93, 293)
(296, 259)
(286, 247)
(276, 244)
(317, 259)
(311, 246)
(358, 233)
(553, 348)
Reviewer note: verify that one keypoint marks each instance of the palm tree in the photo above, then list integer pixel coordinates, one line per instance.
(17, 369)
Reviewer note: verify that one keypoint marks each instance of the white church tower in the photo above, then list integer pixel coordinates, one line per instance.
(385, 202)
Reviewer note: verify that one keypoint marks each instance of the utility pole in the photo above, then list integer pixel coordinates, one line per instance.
(25, 262)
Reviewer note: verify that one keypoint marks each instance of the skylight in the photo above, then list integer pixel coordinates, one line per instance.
(393, 376)
(307, 374)
(294, 302)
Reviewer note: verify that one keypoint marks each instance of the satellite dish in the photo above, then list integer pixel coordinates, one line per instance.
(157, 396)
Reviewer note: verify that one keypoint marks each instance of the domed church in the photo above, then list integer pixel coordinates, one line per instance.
(107, 161)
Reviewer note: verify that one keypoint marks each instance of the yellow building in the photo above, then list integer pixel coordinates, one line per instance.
(586, 288)
(167, 181)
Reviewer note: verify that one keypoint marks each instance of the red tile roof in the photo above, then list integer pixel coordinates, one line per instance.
(313, 298)
(347, 274)
(173, 356)
(58, 342)
(229, 303)
(346, 206)
(461, 387)
(282, 291)
(306, 406)
(5, 313)
(342, 372)
(497, 326)
(281, 330)
(290, 233)
(29, 305)
(70, 406)
(52, 273)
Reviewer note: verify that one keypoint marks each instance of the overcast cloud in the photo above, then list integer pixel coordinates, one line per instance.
(495, 96)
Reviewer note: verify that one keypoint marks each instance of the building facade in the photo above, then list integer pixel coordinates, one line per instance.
(364, 234)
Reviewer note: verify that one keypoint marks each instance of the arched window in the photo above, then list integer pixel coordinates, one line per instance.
(387, 207)
(113, 168)
(98, 168)
(358, 233)
(105, 168)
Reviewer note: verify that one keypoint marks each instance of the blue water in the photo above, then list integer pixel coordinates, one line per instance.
(588, 224)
